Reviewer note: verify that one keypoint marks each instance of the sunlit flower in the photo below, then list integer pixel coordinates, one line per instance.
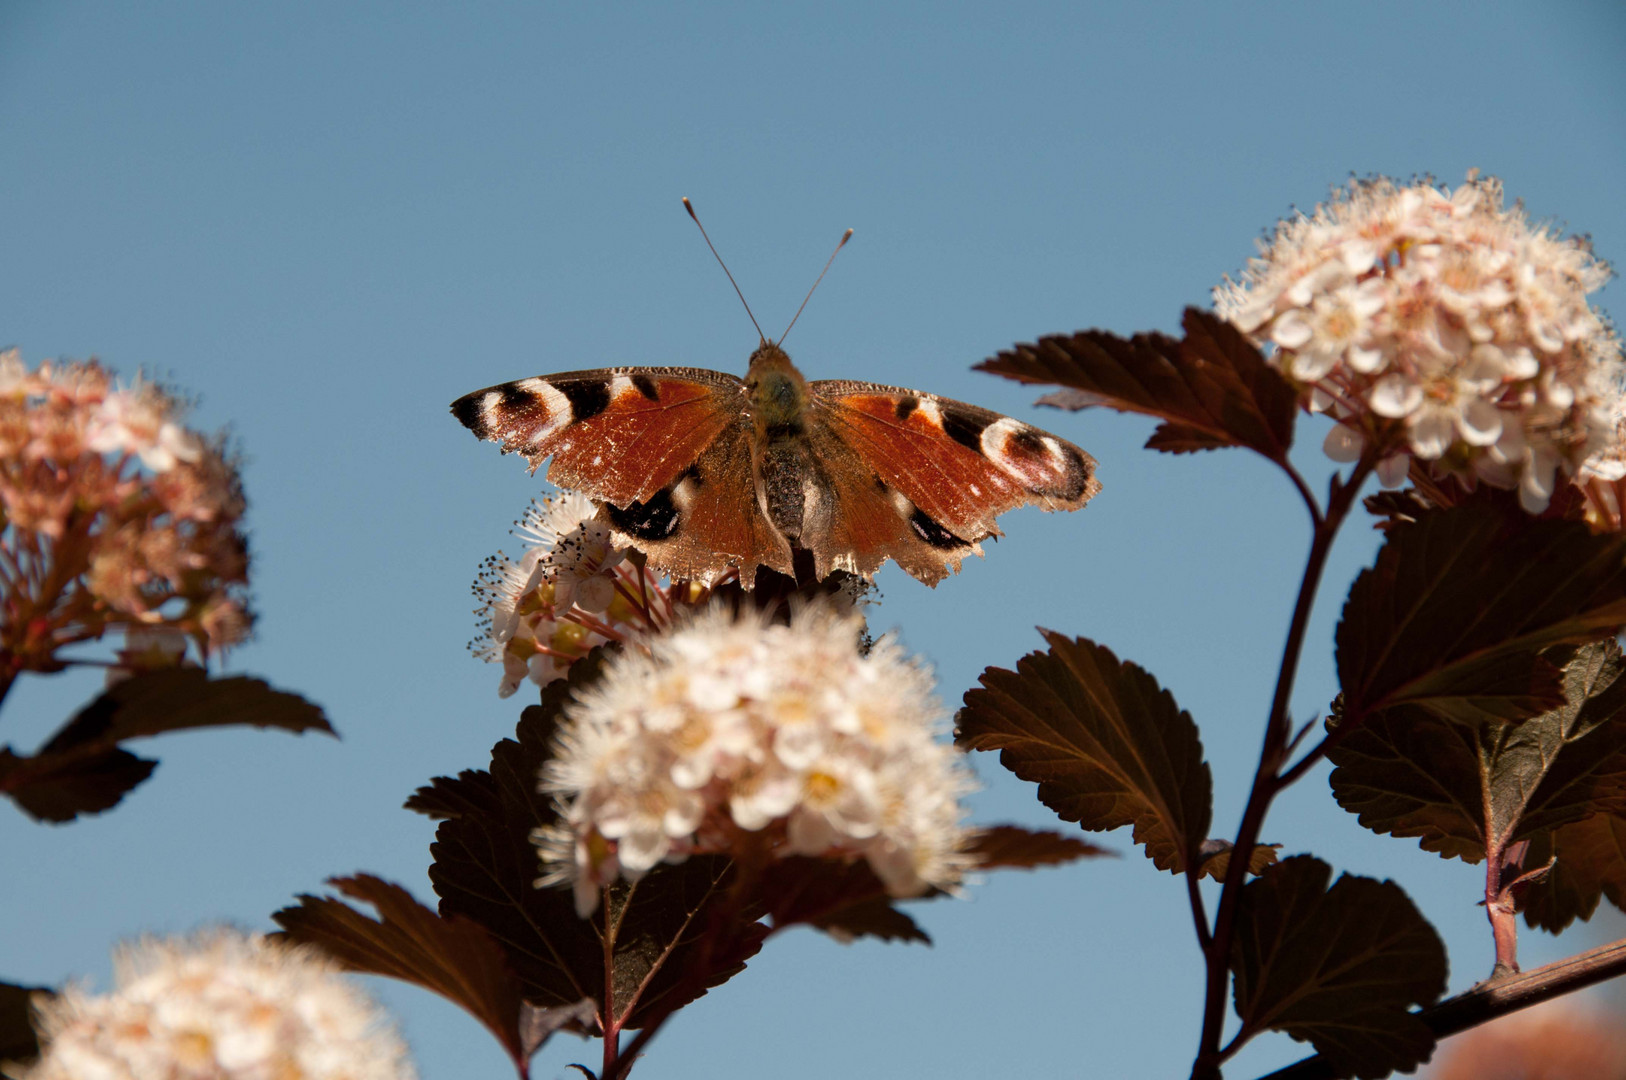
(112, 515)
(568, 591)
(1439, 327)
(728, 726)
(220, 1005)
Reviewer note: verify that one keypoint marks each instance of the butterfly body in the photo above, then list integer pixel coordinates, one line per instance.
(706, 472)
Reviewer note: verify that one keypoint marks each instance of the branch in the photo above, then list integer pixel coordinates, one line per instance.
(1494, 998)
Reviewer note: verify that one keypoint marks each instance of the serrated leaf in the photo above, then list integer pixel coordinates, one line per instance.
(1015, 847)
(1461, 601)
(1590, 865)
(1466, 788)
(18, 1043)
(61, 787)
(844, 899)
(1216, 858)
(82, 770)
(451, 956)
(1106, 745)
(875, 918)
(1339, 967)
(485, 867)
(1211, 387)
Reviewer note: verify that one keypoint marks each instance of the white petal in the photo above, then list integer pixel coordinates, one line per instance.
(1313, 364)
(683, 815)
(641, 849)
(1392, 470)
(1343, 444)
(1365, 360)
(593, 594)
(1522, 363)
(1395, 396)
(1291, 329)
(1432, 433)
(1480, 423)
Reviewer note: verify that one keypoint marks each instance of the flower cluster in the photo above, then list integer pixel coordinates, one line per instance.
(570, 590)
(733, 733)
(223, 1006)
(1442, 327)
(112, 514)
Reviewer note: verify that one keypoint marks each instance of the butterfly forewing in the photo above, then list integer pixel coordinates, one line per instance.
(619, 434)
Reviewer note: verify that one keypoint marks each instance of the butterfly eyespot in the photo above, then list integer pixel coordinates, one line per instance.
(934, 534)
(656, 519)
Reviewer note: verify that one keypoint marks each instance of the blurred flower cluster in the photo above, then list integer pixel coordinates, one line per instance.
(570, 590)
(112, 515)
(732, 734)
(1439, 326)
(221, 1005)
(1558, 1040)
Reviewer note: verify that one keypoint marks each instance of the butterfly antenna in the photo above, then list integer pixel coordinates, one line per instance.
(687, 205)
(846, 236)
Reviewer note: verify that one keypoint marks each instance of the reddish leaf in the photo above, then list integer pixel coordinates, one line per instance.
(1216, 856)
(1590, 865)
(1212, 388)
(82, 770)
(1460, 602)
(671, 936)
(451, 956)
(18, 1042)
(1463, 788)
(58, 788)
(1337, 967)
(844, 899)
(1106, 745)
(1012, 846)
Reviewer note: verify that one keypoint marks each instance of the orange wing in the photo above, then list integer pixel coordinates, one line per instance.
(959, 465)
(617, 434)
(708, 520)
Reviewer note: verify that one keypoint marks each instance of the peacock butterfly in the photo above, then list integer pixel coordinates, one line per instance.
(706, 473)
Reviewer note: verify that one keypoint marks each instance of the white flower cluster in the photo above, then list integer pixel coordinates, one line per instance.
(221, 1005)
(568, 565)
(1438, 325)
(731, 727)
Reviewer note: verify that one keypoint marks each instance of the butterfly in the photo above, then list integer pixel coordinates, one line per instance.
(705, 472)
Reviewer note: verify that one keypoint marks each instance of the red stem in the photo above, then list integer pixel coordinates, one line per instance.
(1266, 780)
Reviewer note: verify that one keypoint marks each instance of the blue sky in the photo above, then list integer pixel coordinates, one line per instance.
(327, 221)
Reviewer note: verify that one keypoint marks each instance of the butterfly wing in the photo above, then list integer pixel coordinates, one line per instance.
(943, 468)
(707, 520)
(857, 521)
(617, 434)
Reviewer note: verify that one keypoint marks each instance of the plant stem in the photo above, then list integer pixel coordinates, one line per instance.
(1266, 780)
(1493, 998)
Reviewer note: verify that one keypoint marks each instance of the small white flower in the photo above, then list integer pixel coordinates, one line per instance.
(584, 563)
(222, 1005)
(788, 732)
(139, 421)
(1436, 323)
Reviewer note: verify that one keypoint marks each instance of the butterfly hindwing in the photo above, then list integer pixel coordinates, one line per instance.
(618, 434)
(707, 520)
(860, 521)
(958, 465)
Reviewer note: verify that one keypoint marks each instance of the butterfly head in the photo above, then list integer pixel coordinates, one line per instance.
(777, 391)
